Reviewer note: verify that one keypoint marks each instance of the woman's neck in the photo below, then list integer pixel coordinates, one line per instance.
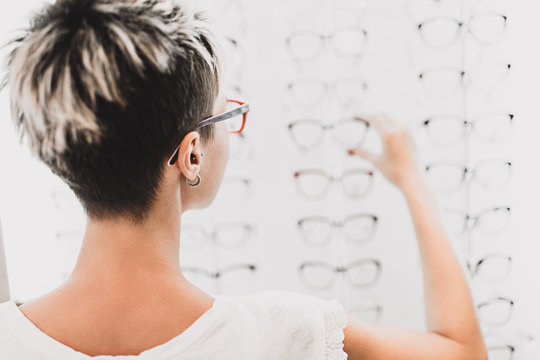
(117, 250)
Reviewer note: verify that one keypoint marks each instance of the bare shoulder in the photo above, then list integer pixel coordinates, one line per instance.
(41, 309)
(111, 325)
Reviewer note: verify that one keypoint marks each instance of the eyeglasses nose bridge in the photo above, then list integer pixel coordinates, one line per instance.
(330, 126)
(470, 268)
(468, 174)
(471, 222)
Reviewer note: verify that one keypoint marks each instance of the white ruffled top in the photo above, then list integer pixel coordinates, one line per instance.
(262, 325)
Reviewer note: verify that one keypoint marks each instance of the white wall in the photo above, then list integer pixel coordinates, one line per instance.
(36, 260)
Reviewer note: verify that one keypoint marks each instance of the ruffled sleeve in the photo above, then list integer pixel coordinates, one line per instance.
(285, 325)
(335, 321)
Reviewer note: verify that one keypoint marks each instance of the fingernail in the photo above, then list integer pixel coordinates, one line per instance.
(350, 152)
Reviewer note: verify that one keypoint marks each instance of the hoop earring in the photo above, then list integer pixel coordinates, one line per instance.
(197, 183)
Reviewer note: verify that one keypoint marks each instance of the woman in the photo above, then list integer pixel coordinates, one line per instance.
(111, 95)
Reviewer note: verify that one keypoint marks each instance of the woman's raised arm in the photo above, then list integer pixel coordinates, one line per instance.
(453, 331)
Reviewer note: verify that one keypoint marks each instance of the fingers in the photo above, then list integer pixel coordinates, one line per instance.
(382, 123)
(369, 156)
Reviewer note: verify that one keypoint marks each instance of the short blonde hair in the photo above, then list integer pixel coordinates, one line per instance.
(104, 90)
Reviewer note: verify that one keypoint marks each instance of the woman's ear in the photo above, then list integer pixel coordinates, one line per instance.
(189, 157)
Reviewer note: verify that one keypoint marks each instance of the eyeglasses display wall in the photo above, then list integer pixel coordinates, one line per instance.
(295, 212)
(329, 224)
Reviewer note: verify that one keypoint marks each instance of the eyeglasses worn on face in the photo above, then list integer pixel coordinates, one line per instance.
(237, 120)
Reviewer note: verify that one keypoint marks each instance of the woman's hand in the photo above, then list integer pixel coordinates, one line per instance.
(453, 331)
(398, 160)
